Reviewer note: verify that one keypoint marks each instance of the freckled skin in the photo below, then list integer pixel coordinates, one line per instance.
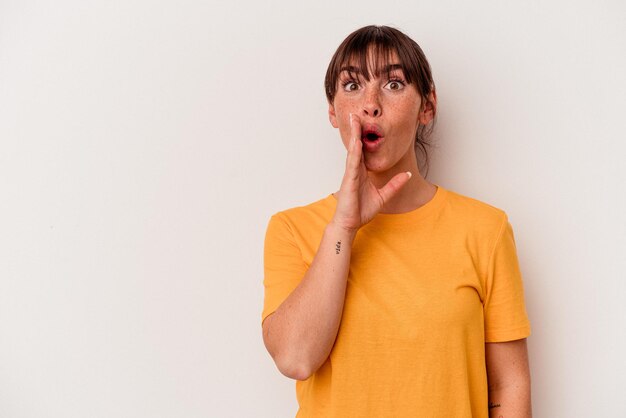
(395, 110)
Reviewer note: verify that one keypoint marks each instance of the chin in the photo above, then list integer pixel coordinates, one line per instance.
(377, 165)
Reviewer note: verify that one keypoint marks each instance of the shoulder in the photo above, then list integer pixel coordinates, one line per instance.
(317, 212)
(476, 215)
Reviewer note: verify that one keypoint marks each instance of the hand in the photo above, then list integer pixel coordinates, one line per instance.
(359, 200)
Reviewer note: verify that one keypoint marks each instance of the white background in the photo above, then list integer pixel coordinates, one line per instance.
(144, 145)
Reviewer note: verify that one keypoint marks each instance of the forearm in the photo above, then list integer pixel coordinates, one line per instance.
(512, 401)
(305, 326)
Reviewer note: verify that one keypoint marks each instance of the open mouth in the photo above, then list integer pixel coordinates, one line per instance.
(371, 136)
(371, 133)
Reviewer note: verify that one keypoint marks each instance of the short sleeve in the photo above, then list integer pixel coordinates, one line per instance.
(504, 308)
(284, 266)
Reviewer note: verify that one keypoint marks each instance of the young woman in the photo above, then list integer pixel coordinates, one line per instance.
(394, 297)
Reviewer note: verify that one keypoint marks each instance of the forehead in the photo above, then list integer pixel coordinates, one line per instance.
(373, 61)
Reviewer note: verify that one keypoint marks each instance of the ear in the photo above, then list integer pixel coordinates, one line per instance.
(430, 108)
(332, 116)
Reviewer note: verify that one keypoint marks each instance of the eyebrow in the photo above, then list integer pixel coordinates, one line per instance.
(387, 69)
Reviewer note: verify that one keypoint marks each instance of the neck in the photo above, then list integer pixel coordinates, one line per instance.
(417, 192)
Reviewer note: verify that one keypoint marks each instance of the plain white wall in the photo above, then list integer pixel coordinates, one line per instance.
(144, 145)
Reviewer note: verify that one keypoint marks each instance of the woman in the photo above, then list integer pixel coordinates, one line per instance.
(394, 297)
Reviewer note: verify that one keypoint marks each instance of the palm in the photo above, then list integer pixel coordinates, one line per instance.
(370, 199)
(359, 199)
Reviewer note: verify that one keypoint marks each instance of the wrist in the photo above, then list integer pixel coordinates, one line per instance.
(341, 232)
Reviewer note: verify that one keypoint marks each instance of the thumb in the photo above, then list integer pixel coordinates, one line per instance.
(394, 185)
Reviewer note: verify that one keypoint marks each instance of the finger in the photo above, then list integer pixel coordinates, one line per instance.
(354, 149)
(394, 185)
(356, 143)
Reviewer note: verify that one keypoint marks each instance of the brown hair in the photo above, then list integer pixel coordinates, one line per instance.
(384, 40)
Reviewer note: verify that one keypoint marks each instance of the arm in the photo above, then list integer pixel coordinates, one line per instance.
(508, 374)
(300, 334)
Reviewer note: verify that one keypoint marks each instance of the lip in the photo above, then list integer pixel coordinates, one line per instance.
(371, 146)
(371, 128)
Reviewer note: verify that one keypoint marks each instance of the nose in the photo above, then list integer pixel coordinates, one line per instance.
(371, 104)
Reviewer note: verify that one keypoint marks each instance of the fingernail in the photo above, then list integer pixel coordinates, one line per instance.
(350, 119)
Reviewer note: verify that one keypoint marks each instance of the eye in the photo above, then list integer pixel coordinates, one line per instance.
(395, 84)
(350, 85)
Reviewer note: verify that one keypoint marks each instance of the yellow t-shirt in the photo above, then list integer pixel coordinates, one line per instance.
(426, 289)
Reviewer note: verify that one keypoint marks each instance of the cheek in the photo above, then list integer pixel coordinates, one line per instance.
(408, 112)
(342, 117)
(342, 109)
(344, 131)
(405, 121)
(343, 126)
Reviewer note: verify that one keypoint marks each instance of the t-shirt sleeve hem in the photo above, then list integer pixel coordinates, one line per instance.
(507, 335)
(265, 314)
(280, 292)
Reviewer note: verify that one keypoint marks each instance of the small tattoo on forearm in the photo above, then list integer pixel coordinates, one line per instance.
(494, 405)
(338, 247)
